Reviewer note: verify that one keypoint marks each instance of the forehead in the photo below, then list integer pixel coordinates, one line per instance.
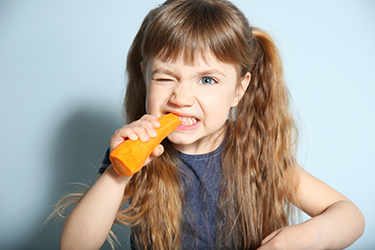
(198, 60)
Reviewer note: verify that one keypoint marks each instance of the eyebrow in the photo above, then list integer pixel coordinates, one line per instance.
(212, 72)
(163, 70)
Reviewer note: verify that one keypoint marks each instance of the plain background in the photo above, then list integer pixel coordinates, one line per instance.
(62, 81)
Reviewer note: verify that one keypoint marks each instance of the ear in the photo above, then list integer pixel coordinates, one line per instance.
(241, 89)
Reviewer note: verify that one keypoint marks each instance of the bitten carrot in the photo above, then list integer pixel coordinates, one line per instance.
(130, 156)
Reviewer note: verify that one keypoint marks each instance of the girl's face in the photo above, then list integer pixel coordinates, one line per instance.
(200, 94)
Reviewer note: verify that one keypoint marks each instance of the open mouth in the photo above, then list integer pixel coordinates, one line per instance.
(188, 121)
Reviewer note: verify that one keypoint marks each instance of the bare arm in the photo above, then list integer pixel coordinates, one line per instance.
(336, 222)
(89, 223)
(339, 222)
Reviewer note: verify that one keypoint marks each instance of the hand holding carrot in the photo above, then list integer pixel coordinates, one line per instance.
(136, 144)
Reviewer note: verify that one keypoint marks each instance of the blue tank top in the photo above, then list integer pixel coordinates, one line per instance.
(202, 189)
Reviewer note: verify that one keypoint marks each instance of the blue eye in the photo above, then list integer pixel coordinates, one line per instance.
(207, 80)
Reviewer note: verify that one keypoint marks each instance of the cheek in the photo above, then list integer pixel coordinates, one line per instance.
(218, 108)
(150, 102)
(154, 101)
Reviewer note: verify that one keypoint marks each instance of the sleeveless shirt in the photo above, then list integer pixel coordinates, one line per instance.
(201, 183)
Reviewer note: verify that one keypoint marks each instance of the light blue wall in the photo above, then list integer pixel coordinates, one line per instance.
(62, 78)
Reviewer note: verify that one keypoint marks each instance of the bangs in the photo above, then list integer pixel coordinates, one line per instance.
(195, 28)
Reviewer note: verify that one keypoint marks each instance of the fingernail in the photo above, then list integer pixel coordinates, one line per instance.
(154, 133)
(145, 138)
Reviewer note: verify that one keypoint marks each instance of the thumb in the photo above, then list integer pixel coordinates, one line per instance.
(158, 151)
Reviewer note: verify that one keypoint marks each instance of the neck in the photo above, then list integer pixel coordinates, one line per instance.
(203, 146)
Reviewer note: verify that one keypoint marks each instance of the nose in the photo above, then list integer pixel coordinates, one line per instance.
(182, 96)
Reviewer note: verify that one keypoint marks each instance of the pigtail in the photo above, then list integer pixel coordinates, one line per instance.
(258, 149)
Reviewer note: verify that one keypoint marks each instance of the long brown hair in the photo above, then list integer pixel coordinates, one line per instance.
(256, 199)
(258, 185)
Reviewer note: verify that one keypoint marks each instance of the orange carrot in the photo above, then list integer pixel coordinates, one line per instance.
(130, 156)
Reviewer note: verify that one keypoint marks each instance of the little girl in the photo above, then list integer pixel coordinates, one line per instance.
(227, 177)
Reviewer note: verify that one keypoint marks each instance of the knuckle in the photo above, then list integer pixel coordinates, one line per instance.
(138, 129)
(150, 126)
(146, 117)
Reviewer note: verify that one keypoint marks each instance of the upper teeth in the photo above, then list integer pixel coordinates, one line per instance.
(188, 120)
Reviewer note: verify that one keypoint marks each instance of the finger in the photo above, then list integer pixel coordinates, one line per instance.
(121, 135)
(131, 135)
(142, 133)
(150, 122)
(158, 151)
(142, 129)
(153, 119)
(150, 128)
(124, 133)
